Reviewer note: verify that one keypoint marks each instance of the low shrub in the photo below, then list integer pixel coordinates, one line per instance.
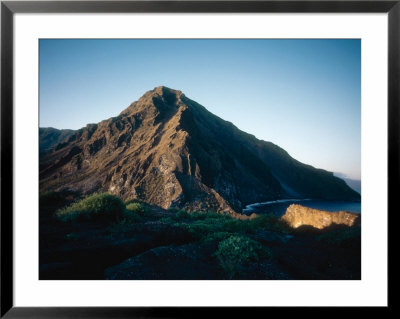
(183, 214)
(210, 216)
(218, 236)
(201, 229)
(101, 207)
(204, 224)
(236, 251)
(131, 216)
(238, 226)
(167, 220)
(269, 222)
(137, 208)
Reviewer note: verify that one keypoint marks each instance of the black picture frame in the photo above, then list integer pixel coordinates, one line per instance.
(9, 8)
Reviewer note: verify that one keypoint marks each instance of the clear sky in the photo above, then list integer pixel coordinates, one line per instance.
(303, 95)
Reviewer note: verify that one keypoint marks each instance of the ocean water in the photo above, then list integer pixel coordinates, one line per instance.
(279, 207)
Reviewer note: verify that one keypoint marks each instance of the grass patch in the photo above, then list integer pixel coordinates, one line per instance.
(133, 214)
(168, 220)
(138, 208)
(269, 222)
(101, 207)
(218, 236)
(203, 225)
(236, 251)
(127, 224)
(183, 214)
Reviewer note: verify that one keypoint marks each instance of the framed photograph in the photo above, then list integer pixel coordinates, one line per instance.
(162, 156)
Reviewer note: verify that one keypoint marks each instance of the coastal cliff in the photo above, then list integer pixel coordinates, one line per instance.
(297, 215)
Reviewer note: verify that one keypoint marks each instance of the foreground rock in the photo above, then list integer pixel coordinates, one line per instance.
(186, 262)
(297, 215)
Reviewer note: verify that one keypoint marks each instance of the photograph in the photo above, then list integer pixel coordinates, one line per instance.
(199, 159)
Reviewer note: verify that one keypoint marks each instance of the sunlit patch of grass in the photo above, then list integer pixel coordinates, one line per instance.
(203, 224)
(138, 208)
(101, 207)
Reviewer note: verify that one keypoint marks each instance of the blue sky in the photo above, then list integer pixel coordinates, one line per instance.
(303, 95)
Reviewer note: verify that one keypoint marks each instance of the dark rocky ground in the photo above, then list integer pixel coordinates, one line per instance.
(163, 246)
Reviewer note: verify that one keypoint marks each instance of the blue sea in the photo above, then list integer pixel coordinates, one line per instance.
(279, 207)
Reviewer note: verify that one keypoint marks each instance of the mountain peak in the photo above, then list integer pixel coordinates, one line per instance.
(163, 89)
(165, 92)
(161, 97)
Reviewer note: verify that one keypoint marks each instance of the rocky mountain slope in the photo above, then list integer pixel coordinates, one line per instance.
(50, 137)
(169, 151)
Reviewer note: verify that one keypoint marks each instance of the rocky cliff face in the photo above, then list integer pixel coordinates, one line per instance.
(297, 215)
(168, 150)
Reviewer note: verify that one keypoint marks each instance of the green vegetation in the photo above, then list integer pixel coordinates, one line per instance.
(137, 208)
(204, 225)
(233, 248)
(270, 222)
(101, 207)
(218, 236)
(134, 213)
(236, 251)
(182, 214)
(131, 216)
(168, 220)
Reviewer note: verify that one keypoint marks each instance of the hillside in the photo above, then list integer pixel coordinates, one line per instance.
(169, 151)
(49, 137)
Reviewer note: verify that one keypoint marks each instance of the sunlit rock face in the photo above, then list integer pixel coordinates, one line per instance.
(297, 215)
